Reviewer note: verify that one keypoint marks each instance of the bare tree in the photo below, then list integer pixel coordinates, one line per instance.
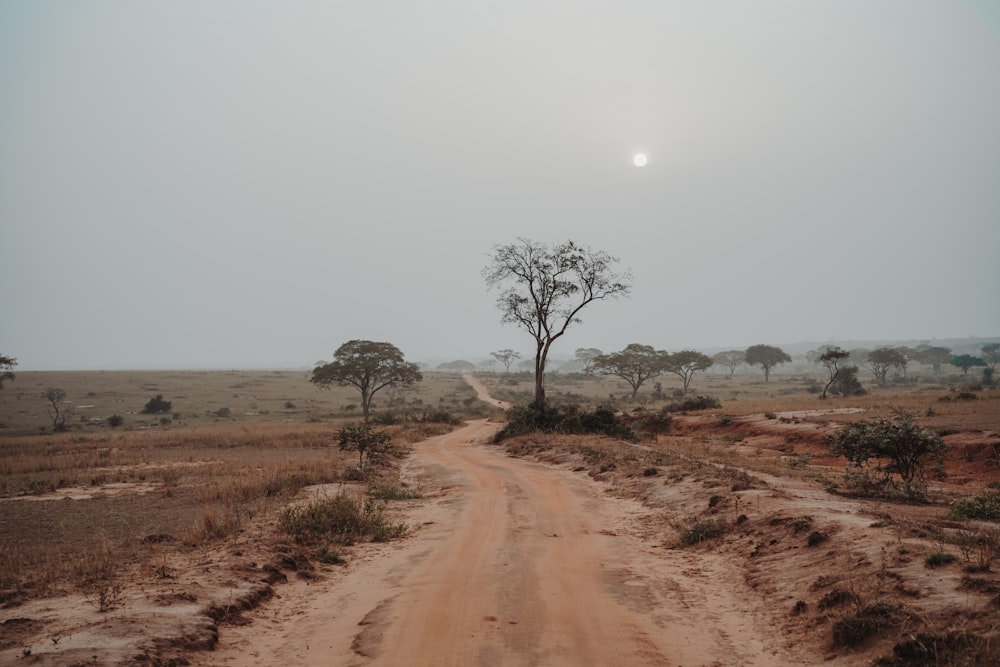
(544, 288)
(60, 414)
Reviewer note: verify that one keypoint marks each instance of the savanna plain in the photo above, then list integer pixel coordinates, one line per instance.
(231, 528)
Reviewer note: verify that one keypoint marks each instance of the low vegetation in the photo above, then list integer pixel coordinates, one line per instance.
(340, 520)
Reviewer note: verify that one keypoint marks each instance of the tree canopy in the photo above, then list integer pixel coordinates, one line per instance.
(543, 289)
(991, 354)
(586, 356)
(686, 363)
(966, 361)
(881, 360)
(730, 359)
(6, 368)
(890, 449)
(767, 357)
(831, 357)
(506, 357)
(635, 364)
(368, 366)
(934, 356)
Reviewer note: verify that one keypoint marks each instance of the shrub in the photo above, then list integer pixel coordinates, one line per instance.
(939, 558)
(898, 448)
(394, 491)
(701, 531)
(114, 421)
(837, 597)
(568, 420)
(657, 423)
(816, 538)
(339, 520)
(852, 631)
(157, 405)
(695, 403)
(330, 556)
(984, 507)
(954, 648)
(370, 443)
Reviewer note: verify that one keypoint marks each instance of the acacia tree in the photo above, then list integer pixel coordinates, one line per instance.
(544, 288)
(831, 357)
(881, 359)
(991, 354)
(685, 363)
(934, 356)
(506, 357)
(965, 362)
(6, 368)
(765, 356)
(367, 366)
(906, 355)
(635, 364)
(587, 356)
(729, 359)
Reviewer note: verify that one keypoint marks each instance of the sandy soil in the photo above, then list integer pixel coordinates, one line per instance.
(513, 563)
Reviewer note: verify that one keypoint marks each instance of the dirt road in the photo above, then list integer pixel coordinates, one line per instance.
(510, 563)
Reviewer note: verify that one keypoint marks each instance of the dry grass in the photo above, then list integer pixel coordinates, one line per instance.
(150, 490)
(199, 397)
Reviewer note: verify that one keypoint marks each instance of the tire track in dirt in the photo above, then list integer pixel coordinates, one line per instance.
(515, 563)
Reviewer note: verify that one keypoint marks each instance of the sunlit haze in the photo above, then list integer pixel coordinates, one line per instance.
(251, 184)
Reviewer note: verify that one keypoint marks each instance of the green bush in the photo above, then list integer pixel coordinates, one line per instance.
(881, 451)
(157, 406)
(569, 420)
(985, 507)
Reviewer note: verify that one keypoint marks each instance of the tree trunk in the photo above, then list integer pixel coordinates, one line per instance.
(540, 355)
(366, 401)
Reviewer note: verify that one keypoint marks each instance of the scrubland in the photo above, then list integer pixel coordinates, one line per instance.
(103, 516)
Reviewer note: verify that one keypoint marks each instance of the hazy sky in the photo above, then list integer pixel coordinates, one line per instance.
(245, 184)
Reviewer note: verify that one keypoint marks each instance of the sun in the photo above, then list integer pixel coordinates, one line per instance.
(640, 159)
